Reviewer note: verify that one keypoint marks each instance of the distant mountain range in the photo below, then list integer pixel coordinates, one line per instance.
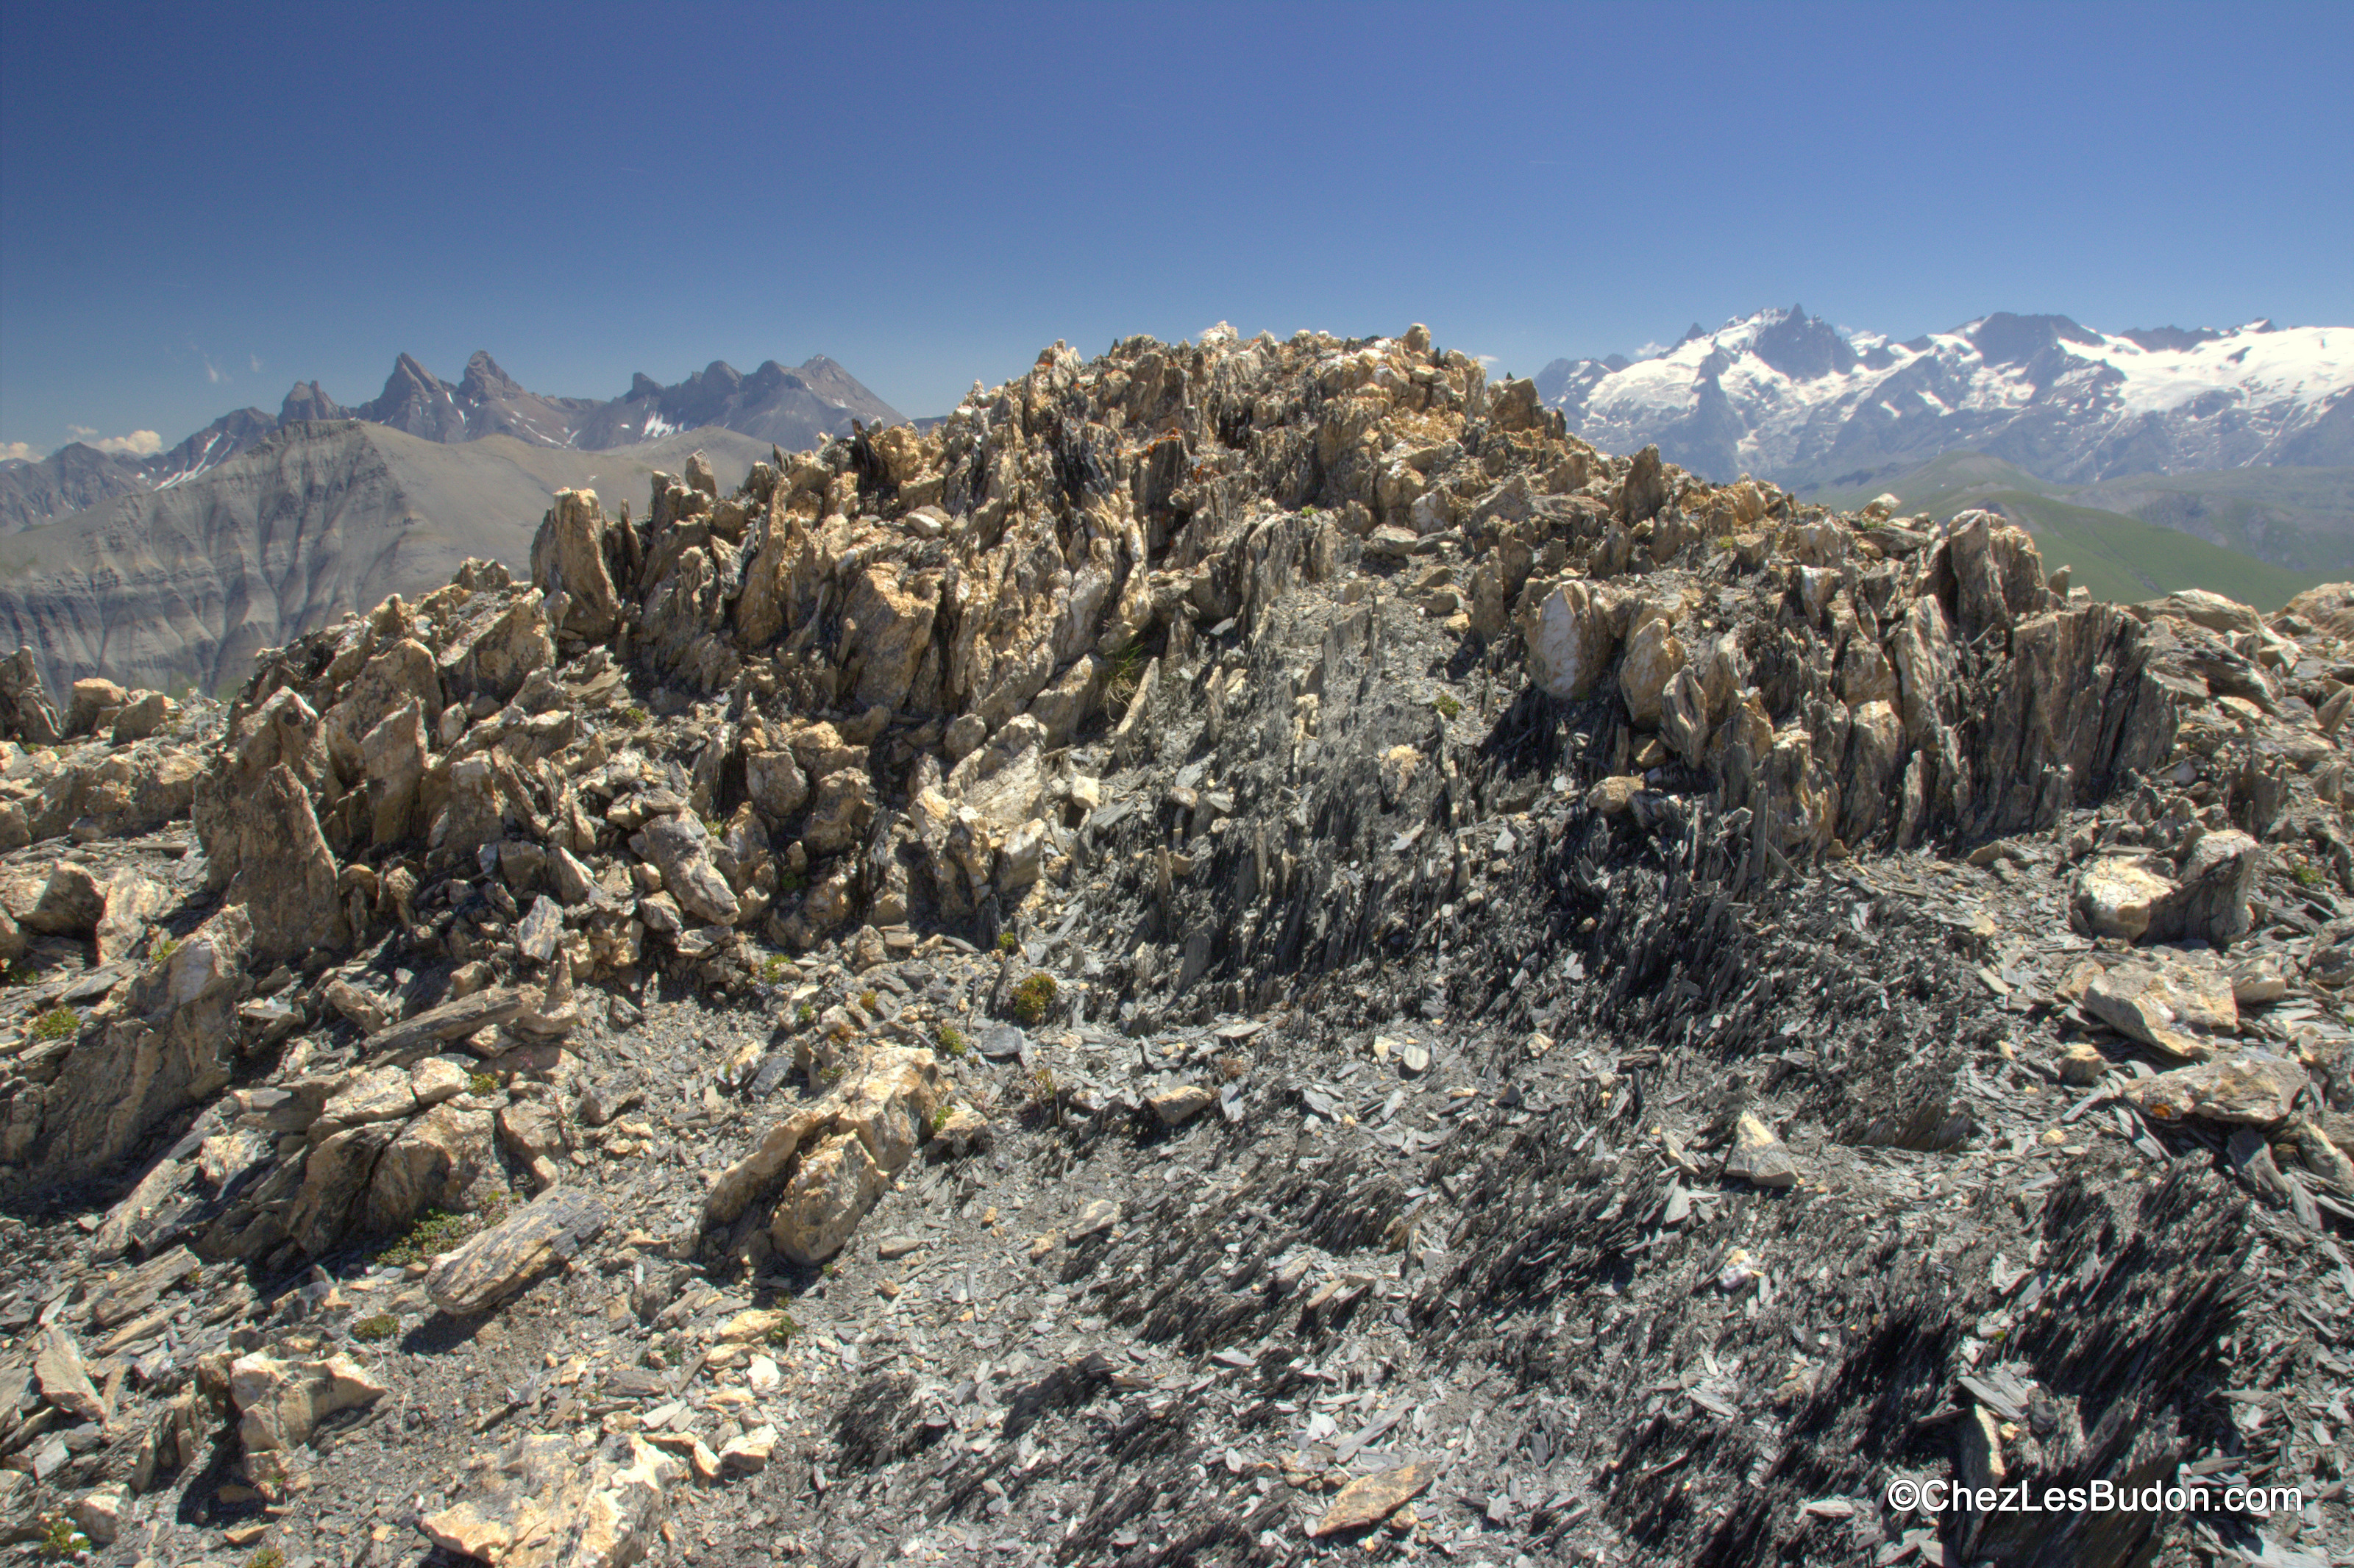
(796, 409)
(1786, 397)
(178, 587)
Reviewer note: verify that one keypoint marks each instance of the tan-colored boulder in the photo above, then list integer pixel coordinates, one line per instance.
(569, 556)
(829, 1191)
(1002, 781)
(775, 783)
(892, 610)
(437, 1163)
(2176, 1002)
(549, 1505)
(1654, 656)
(2116, 896)
(840, 809)
(2254, 1088)
(1572, 633)
(889, 1107)
(142, 716)
(2201, 608)
(279, 1403)
(496, 641)
(679, 847)
(2210, 899)
(94, 701)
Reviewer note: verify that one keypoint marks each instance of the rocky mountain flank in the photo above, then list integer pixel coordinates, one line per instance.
(180, 588)
(1244, 953)
(773, 406)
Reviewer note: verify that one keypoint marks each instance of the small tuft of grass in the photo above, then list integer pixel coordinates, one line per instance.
(1033, 999)
(161, 953)
(22, 973)
(1446, 704)
(636, 715)
(481, 1084)
(952, 1040)
(791, 882)
(2307, 874)
(772, 969)
(267, 1557)
(58, 1024)
(940, 1116)
(830, 1074)
(804, 1015)
(369, 1331)
(782, 1333)
(1043, 1087)
(869, 1002)
(1008, 943)
(1127, 673)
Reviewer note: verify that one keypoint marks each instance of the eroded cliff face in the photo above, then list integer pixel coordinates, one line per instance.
(1240, 921)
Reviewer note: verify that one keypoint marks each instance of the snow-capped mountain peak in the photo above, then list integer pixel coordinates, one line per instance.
(1786, 395)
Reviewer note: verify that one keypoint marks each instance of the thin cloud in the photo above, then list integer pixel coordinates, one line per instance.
(213, 373)
(138, 443)
(254, 360)
(10, 451)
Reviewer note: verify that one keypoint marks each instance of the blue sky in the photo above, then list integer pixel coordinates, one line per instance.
(201, 204)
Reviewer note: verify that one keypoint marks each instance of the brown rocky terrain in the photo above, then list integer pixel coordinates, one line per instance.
(1243, 953)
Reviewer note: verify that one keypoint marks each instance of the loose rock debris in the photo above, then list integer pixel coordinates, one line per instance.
(1243, 953)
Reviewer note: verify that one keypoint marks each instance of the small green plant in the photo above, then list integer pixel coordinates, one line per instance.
(869, 1002)
(714, 827)
(636, 715)
(267, 1557)
(481, 1084)
(1043, 1087)
(58, 1024)
(940, 1114)
(22, 973)
(161, 953)
(434, 1234)
(1033, 999)
(1127, 673)
(830, 1074)
(1723, 542)
(781, 1333)
(2306, 873)
(952, 1040)
(772, 969)
(1447, 706)
(791, 882)
(382, 1326)
(804, 1015)
(1008, 943)
(60, 1541)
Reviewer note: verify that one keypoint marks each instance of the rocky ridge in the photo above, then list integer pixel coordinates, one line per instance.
(1243, 952)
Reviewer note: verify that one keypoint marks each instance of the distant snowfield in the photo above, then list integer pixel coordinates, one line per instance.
(2223, 399)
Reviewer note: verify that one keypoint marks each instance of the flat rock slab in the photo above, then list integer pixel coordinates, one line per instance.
(1369, 1500)
(2254, 1088)
(514, 1251)
(2179, 1004)
(449, 1020)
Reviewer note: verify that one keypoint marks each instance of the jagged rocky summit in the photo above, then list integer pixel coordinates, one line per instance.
(1236, 922)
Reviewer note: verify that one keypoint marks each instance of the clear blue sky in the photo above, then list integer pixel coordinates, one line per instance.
(201, 204)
